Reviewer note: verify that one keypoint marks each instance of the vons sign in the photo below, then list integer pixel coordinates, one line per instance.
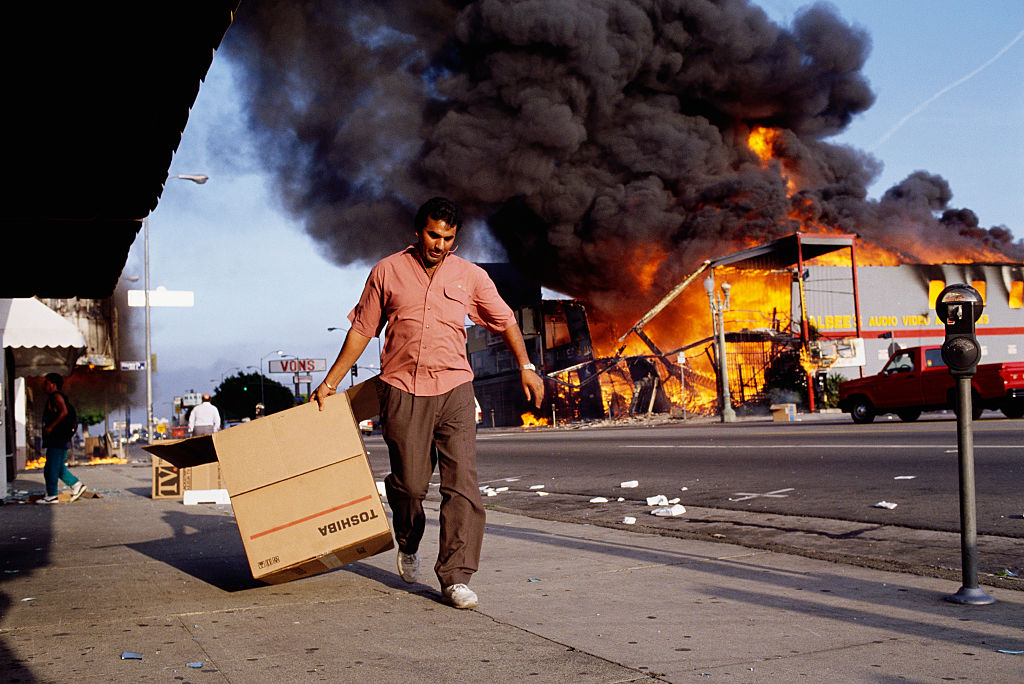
(298, 365)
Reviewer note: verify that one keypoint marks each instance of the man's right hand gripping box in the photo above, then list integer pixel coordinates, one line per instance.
(301, 487)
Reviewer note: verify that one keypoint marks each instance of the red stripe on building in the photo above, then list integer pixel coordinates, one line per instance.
(924, 332)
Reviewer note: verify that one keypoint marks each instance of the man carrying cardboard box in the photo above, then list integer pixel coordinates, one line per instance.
(423, 295)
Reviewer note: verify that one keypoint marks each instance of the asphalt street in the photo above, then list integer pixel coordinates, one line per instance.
(808, 487)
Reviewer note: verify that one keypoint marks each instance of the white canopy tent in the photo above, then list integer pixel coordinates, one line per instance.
(41, 342)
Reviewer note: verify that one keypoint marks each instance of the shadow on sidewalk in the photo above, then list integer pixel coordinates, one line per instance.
(204, 546)
(731, 577)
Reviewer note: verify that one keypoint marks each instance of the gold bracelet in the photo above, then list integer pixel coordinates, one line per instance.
(333, 389)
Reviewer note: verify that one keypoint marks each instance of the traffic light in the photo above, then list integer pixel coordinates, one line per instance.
(355, 370)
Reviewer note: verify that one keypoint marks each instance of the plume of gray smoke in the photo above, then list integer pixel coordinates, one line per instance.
(589, 135)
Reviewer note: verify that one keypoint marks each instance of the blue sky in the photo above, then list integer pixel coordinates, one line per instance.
(261, 284)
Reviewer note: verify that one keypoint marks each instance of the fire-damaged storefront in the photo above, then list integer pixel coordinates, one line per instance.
(557, 337)
(799, 309)
(897, 305)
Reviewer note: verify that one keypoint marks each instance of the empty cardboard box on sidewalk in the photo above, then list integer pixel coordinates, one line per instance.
(301, 487)
(171, 482)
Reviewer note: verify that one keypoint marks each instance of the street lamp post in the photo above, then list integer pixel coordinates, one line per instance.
(199, 179)
(379, 352)
(718, 309)
(279, 352)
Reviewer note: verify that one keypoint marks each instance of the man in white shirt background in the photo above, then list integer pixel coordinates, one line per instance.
(204, 419)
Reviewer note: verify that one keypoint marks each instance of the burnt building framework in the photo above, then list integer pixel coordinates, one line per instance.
(843, 318)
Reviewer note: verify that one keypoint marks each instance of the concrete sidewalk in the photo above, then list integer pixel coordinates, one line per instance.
(559, 602)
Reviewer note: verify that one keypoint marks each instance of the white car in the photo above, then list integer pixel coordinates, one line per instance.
(479, 413)
(366, 426)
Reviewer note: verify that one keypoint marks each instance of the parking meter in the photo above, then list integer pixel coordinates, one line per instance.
(959, 306)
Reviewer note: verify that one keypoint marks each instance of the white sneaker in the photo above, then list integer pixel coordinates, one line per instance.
(47, 500)
(408, 566)
(460, 596)
(77, 490)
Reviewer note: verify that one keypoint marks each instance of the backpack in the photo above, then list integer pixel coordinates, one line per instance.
(65, 429)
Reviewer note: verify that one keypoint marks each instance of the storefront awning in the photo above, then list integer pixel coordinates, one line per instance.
(40, 340)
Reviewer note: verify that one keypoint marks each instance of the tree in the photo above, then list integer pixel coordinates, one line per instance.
(237, 396)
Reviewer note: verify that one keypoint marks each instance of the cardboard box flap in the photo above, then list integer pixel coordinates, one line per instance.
(364, 399)
(262, 451)
(185, 453)
(265, 451)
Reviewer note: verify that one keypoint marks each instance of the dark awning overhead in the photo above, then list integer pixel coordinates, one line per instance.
(98, 96)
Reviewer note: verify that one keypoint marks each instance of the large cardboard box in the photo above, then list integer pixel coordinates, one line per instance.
(171, 482)
(301, 487)
(364, 399)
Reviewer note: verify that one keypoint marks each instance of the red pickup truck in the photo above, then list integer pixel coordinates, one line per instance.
(916, 379)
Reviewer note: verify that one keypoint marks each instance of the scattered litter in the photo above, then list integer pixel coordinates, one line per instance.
(533, 579)
(629, 484)
(380, 489)
(599, 499)
(30, 598)
(659, 500)
(904, 477)
(684, 489)
(669, 511)
(536, 486)
(195, 666)
(1009, 652)
(629, 520)
(885, 504)
(490, 492)
(620, 499)
(1006, 573)
(675, 500)
(543, 493)
(131, 655)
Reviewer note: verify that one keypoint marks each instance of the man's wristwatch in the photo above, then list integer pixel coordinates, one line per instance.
(528, 366)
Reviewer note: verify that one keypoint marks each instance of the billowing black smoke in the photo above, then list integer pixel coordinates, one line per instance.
(587, 135)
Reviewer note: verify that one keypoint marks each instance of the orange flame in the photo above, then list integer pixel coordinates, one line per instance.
(107, 460)
(762, 141)
(37, 463)
(530, 420)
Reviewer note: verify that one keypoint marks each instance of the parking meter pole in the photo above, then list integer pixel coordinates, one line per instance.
(959, 306)
(969, 593)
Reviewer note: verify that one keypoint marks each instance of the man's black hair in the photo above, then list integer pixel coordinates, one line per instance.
(56, 380)
(439, 209)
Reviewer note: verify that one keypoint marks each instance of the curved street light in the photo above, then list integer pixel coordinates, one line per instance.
(279, 352)
(345, 330)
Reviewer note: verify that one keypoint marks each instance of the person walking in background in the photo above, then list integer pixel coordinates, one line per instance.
(427, 408)
(204, 419)
(59, 427)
